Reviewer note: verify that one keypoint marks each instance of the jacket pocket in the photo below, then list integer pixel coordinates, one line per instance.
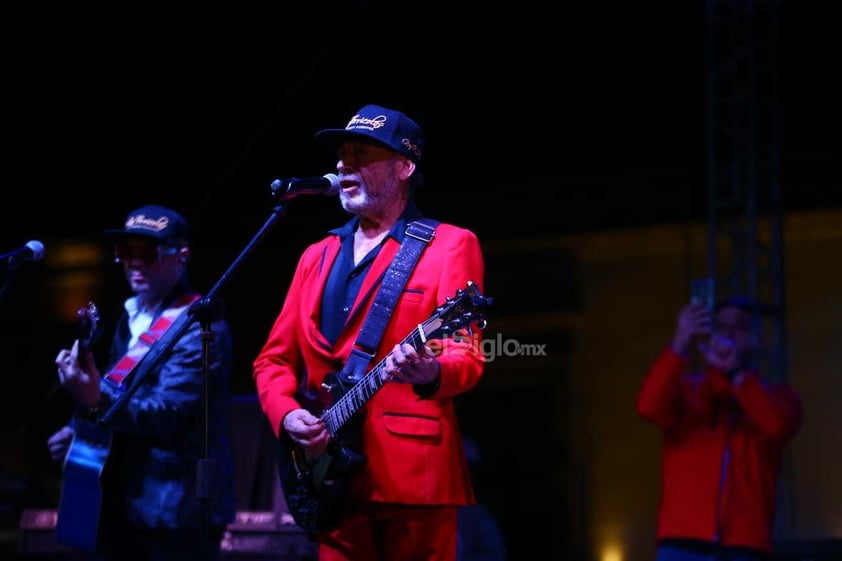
(411, 425)
(413, 295)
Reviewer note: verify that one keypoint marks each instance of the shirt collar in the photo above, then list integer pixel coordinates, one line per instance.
(398, 230)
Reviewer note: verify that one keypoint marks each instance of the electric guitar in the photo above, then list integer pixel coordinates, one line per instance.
(315, 490)
(77, 524)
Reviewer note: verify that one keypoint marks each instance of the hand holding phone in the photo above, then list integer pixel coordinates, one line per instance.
(695, 322)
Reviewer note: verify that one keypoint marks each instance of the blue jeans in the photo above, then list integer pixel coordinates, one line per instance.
(691, 550)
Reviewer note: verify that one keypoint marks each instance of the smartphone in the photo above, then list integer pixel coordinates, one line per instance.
(703, 291)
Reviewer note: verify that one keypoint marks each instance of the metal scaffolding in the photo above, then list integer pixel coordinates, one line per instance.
(745, 213)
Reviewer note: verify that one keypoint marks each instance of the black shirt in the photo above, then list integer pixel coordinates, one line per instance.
(344, 280)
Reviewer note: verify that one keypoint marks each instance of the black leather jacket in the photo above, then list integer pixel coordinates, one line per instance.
(149, 480)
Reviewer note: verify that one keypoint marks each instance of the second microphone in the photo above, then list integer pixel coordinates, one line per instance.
(285, 189)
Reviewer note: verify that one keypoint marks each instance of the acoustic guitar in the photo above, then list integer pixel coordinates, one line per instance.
(78, 519)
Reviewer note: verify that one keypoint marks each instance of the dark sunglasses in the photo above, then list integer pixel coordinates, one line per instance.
(147, 253)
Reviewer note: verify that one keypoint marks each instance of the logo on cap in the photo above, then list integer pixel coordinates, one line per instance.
(412, 147)
(142, 222)
(358, 122)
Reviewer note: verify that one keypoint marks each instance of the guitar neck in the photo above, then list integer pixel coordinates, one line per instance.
(87, 320)
(345, 407)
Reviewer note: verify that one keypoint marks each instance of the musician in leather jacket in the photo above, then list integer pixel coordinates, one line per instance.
(150, 506)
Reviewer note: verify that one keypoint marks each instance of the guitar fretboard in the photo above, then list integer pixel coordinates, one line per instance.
(345, 407)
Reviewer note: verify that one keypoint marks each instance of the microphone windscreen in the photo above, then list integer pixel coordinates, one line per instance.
(37, 249)
(334, 183)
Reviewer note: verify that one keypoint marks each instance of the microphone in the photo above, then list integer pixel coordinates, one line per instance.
(32, 251)
(286, 189)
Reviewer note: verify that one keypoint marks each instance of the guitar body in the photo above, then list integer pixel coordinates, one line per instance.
(79, 512)
(316, 491)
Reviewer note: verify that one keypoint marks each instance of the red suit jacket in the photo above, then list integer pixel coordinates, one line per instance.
(413, 445)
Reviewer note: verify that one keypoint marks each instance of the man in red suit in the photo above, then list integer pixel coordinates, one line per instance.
(403, 499)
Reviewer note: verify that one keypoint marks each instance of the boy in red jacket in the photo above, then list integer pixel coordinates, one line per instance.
(724, 431)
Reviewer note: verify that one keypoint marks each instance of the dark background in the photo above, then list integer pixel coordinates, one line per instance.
(539, 122)
(202, 106)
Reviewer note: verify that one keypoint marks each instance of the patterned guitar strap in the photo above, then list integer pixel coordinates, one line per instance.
(116, 377)
(418, 234)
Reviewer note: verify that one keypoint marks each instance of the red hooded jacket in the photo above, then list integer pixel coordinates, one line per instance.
(721, 452)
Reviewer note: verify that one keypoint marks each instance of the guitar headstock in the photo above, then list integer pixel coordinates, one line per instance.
(87, 319)
(464, 310)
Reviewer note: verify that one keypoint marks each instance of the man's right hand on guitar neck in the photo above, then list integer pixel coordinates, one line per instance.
(83, 385)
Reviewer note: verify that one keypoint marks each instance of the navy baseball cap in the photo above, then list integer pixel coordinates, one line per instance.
(387, 127)
(157, 222)
(740, 302)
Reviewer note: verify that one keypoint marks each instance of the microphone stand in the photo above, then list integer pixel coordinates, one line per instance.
(11, 267)
(7, 284)
(206, 310)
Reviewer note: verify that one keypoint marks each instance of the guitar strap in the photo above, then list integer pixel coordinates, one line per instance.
(418, 234)
(117, 375)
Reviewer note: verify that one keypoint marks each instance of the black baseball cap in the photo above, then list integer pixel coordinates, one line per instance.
(156, 222)
(387, 127)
